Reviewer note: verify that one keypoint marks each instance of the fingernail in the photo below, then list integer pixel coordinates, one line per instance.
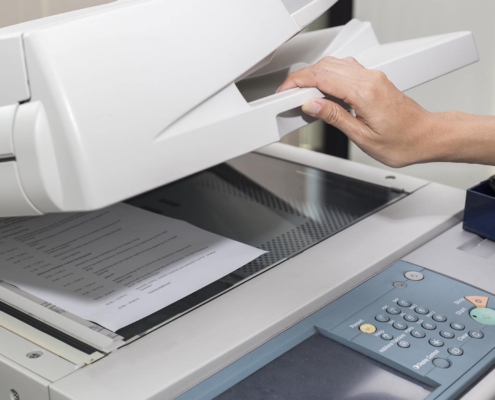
(278, 90)
(311, 107)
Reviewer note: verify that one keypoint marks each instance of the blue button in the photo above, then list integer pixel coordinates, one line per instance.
(476, 334)
(393, 310)
(436, 342)
(386, 336)
(418, 334)
(403, 344)
(439, 317)
(422, 310)
(457, 326)
(447, 334)
(382, 318)
(429, 325)
(400, 326)
(404, 303)
(410, 318)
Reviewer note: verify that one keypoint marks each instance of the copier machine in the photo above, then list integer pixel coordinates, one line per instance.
(369, 289)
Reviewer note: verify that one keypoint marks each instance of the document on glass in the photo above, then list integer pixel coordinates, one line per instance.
(114, 266)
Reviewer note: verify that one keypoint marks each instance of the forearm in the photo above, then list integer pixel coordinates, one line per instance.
(460, 137)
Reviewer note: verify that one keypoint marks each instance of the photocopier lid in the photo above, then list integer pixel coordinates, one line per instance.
(102, 104)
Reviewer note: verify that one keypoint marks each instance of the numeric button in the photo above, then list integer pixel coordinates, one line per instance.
(399, 326)
(410, 318)
(422, 310)
(429, 326)
(404, 303)
(439, 317)
(382, 318)
(447, 334)
(393, 310)
(403, 344)
(418, 334)
(457, 326)
(386, 336)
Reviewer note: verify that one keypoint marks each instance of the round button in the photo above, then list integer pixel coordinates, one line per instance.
(386, 336)
(367, 328)
(418, 334)
(447, 334)
(404, 303)
(410, 318)
(476, 334)
(485, 316)
(457, 326)
(414, 276)
(436, 342)
(393, 310)
(455, 351)
(400, 285)
(382, 318)
(400, 326)
(428, 325)
(439, 317)
(422, 310)
(441, 363)
(403, 344)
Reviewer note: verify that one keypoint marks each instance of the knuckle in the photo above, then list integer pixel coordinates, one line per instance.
(331, 114)
(379, 76)
(351, 60)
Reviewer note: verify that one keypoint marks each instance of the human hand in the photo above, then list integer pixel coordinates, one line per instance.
(389, 126)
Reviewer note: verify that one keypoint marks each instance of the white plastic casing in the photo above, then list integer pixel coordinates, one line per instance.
(132, 95)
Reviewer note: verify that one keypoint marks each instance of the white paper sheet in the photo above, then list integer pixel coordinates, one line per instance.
(114, 266)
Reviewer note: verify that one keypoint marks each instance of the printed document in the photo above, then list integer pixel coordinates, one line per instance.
(114, 266)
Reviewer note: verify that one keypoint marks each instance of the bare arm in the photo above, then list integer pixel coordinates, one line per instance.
(390, 126)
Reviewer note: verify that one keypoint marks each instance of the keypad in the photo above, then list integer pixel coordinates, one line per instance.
(410, 318)
(382, 318)
(476, 334)
(400, 326)
(404, 303)
(393, 310)
(418, 334)
(457, 326)
(436, 342)
(455, 351)
(439, 317)
(428, 325)
(447, 334)
(422, 310)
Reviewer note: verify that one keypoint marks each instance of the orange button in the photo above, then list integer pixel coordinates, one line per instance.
(478, 301)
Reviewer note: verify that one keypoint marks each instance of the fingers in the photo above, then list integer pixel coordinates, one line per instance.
(336, 116)
(345, 79)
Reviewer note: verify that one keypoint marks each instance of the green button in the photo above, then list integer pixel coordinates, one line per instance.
(485, 316)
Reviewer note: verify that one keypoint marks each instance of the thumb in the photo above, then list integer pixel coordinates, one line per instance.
(333, 114)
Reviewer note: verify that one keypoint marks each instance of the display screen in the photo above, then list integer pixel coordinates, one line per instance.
(320, 368)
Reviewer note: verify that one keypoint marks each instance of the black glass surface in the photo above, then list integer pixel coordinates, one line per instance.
(275, 205)
(320, 368)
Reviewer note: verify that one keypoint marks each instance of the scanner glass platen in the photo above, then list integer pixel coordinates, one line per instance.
(275, 205)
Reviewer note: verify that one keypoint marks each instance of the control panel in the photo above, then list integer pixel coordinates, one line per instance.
(415, 323)
(428, 326)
